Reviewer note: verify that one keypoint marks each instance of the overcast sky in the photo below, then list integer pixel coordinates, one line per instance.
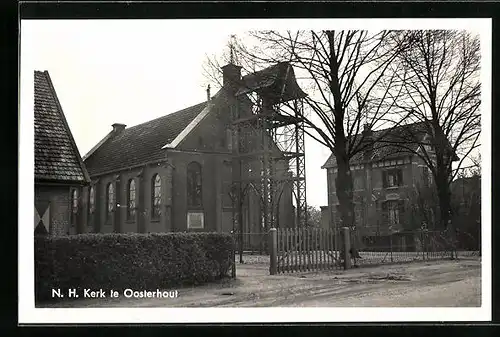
(132, 71)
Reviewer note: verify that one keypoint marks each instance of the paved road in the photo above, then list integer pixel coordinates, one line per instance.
(430, 284)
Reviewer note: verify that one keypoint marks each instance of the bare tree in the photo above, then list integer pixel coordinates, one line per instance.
(314, 217)
(442, 94)
(351, 83)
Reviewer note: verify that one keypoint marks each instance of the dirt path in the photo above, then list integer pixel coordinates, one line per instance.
(431, 284)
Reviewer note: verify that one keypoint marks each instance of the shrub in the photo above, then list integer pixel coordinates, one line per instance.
(135, 261)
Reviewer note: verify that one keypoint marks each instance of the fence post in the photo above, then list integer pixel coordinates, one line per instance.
(422, 243)
(273, 245)
(390, 243)
(347, 247)
(233, 257)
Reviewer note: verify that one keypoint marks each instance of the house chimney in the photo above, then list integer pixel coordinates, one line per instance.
(208, 93)
(231, 77)
(118, 128)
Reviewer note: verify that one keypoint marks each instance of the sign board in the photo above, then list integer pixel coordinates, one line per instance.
(195, 220)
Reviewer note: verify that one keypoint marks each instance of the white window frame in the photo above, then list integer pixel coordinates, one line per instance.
(191, 214)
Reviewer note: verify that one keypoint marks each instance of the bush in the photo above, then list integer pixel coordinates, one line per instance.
(135, 261)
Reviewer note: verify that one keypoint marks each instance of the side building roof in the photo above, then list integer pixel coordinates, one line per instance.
(57, 158)
(383, 149)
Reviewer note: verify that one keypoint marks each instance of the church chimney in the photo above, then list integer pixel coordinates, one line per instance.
(118, 128)
(208, 93)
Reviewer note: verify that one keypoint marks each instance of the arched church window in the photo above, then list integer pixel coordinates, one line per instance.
(131, 200)
(110, 199)
(194, 185)
(74, 206)
(156, 197)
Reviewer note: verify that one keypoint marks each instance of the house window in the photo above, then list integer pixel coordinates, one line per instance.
(195, 220)
(426, 176)
(229, 139)
(74, 206)
(110, 200)
(393, 211)
(393, 178)
(156, 197)
(194, 185)
(358, 214)
(358, 181)
(131, 200)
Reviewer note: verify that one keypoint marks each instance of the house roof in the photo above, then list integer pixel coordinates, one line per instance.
(276, 82)
(57, 157)
(383, 149)
(141, 143)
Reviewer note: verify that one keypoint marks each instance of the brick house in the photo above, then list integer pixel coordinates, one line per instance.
(172, 173)
(383, 180)
(60, 174)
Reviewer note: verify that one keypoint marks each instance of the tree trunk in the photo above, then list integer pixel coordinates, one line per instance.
(444, 196)
(343, 186)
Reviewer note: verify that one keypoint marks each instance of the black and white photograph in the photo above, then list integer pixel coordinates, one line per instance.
(189, 171)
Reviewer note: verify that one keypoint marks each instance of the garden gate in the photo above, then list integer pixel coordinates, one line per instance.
(305, 249)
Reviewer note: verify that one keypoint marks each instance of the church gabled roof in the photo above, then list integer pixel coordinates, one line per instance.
(146, 142)
(57, 158)
(141, 143)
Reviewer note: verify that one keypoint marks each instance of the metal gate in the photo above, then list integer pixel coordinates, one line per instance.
(307, 249)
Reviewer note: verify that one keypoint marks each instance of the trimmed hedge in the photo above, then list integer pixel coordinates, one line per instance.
(135, 261)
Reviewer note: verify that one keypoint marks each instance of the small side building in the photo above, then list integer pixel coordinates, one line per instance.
(60, 173)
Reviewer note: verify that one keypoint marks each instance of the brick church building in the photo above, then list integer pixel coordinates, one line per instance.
(173, 173)
(60, 175)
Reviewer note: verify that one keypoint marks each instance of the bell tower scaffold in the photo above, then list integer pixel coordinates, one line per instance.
(268, 147)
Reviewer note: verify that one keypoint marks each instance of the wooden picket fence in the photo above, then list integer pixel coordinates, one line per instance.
(307, 249)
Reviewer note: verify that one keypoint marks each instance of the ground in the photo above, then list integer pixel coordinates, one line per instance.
(445, 283)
